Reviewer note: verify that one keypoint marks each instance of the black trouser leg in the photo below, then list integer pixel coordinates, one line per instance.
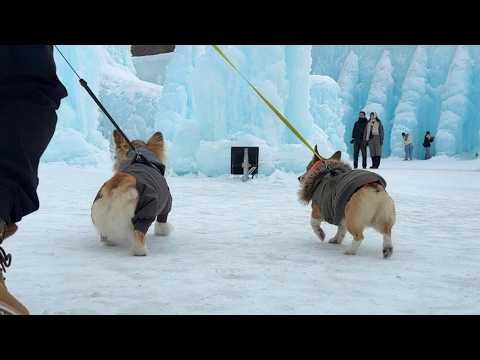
(25, 131)
(363, 148)
(378, 161)
(356, 149)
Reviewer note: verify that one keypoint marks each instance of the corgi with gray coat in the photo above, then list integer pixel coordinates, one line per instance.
(135, 197)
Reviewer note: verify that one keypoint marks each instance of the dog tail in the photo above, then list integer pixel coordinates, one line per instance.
(377, 186)
(115, 205)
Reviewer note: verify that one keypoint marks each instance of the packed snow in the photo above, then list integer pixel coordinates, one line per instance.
(247, 248)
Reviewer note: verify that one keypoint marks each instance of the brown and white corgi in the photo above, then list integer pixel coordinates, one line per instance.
(136, 196)
(351, 199)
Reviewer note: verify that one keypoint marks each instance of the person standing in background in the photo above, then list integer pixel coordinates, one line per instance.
(374, 137)
(427, 143)
(408, 144)
(358, 141)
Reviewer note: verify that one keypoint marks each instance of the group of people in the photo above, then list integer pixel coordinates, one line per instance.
(369, 133)
(408, 145)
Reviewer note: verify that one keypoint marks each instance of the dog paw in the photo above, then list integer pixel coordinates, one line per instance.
(163, 229)
(319, 232)
(104, 240)
(350, 252)
(387, 252)
(138, 251)
(334, 240)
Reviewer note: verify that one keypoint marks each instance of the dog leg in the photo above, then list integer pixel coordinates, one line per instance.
(163, 228)
(315, 223)
(139, 248)
(339, 236)
(357, 240)
(387, 243)
(105, 241)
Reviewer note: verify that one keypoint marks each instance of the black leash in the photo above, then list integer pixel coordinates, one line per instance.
(139, 158)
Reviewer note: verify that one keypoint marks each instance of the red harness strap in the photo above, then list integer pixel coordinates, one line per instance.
(316, 165)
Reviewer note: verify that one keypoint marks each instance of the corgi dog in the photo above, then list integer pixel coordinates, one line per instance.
(136, 196)
(351, 199)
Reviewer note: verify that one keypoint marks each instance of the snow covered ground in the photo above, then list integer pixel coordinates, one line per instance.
(247, 248)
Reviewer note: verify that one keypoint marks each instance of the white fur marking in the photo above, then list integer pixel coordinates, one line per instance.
(163, 229)
(112, 215)
(315, 223)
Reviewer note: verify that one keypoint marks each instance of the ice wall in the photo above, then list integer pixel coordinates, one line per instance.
(348, 81)
(298, 62)
(208, 108)
(83, 133)
(326, 109)
(152, 68)
(77, 138)
(380, 95)
(456, 130)
(408, 113)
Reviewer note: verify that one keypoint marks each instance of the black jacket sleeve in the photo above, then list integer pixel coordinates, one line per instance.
(28, 72)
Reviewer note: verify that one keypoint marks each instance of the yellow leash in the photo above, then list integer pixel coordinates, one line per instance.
(268, 103)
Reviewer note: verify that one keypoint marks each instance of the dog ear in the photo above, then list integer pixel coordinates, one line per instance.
(118, 139)
(156, 144)
(155, 139)
(315, 157)
(336, 156)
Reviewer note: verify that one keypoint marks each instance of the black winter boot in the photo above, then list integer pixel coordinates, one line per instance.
(9, 305)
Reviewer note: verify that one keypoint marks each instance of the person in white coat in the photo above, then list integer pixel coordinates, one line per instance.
(408, 145)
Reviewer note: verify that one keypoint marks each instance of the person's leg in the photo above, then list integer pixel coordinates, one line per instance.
(25, 131)
(363, 149)
(406, 152)
(356, 149)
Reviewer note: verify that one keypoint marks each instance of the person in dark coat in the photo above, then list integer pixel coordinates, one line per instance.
(30, 94)
(358, 140)
(427, 143)
(374, 137)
